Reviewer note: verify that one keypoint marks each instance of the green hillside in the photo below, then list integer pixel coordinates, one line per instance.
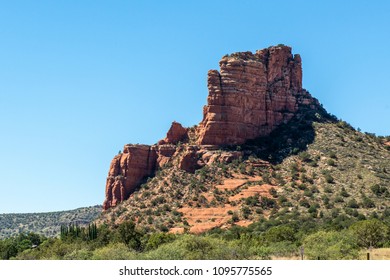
(47, 224)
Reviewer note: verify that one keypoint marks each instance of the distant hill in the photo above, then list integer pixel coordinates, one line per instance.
(47, 224)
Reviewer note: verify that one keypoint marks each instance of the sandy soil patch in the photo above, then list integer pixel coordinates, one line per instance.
(231, 184)
(244, 223)
(238, 181)
(176, 230)
(262, 190)
(202, 219)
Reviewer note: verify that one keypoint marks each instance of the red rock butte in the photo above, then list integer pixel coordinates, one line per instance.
(249, 97)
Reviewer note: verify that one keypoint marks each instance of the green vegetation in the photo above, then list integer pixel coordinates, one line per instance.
(331, 245)
(47, 224)
(282, 236)
(327, 189)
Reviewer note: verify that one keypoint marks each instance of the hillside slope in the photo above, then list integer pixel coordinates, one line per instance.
(315, 165)
(48, 223)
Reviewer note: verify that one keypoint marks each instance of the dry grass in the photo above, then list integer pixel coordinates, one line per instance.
(376, 254)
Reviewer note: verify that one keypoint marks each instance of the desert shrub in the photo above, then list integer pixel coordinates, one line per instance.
(328, 178)
(302, 187)
(267, 203)
(308, 193)
(328, 189)
(379, 190)
(273, 192)
(332, 154)
(330, 162)
(367, 203)
(282, 199)
(344, 192)
(235, 218)
(304, 156)
(252, 200)
(352, 203)
(304, 203)
(313, 208)
(246, 211)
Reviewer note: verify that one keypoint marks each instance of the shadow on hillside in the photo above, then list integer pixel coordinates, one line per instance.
(291, 138)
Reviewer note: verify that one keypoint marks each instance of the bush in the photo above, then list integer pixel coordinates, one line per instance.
(344, 192)
(331, 245)
(304, 203)
(368, 203)
(330, 162)
(246, 211)
(328, 178)
(267, 203)
(333, 155)
(157, 239)
(353, 203)
(273, 192)
(370, 232)
(128, 234)
(279, 233)
(304, 156)
(115, 251)
(192, 247)
(379, 190)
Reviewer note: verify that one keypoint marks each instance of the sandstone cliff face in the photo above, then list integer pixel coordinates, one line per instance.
(127, 171)
(251, 95)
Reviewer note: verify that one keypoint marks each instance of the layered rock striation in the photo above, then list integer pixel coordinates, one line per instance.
(249, 97)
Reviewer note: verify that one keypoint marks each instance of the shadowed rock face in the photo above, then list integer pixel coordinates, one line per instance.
(251, 95)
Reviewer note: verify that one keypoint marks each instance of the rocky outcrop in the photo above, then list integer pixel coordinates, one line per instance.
(175, 134)
(189, 160)
(164, 153)
(127, 170)
(252, 95)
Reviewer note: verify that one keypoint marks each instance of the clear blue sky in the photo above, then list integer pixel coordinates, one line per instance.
(79, 79)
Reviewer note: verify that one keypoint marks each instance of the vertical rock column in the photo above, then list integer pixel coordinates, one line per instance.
(251, 95)
(127, 170)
